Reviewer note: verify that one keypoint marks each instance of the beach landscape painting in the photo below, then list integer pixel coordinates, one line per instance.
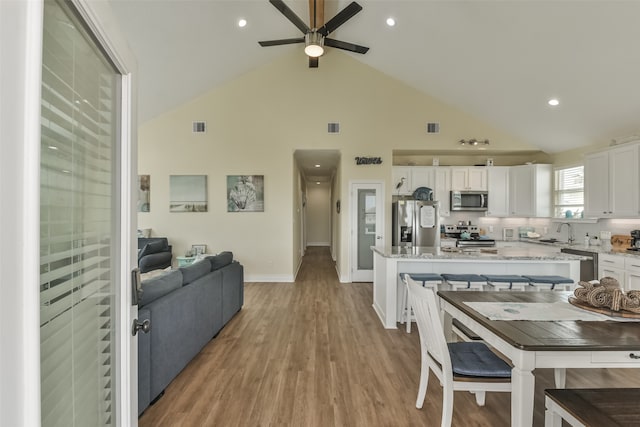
(188, 193)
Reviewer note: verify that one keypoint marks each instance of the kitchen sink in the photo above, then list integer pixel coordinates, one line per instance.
(552, 241)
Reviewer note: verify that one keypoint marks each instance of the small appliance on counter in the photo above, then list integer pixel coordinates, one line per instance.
(509, 234)
(635, 241)
(468, 236)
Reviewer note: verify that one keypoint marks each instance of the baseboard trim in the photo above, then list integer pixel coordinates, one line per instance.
(318, 244)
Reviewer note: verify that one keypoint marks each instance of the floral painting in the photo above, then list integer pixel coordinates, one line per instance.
(245, 193)
(188, 193)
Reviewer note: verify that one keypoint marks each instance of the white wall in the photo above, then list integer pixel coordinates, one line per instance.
(318, 214)
(257, 121)
(20, 79)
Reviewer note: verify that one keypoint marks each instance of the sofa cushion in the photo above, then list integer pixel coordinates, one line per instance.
(154, 273)
(194, 271)
(220, 260)
(153, 289)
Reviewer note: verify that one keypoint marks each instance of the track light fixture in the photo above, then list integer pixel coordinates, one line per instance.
(474, 142)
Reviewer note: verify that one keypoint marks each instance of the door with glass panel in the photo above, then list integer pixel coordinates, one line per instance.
(367, 227)
(80, 226)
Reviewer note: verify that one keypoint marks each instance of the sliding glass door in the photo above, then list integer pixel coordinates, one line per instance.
(79, 225)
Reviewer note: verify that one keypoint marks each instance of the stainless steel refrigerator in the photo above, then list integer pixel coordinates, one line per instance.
(415, 223)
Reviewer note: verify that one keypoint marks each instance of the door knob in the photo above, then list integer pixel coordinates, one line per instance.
(144, 326)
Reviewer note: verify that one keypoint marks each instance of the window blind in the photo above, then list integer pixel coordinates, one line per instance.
(569, 190)
(79, 110)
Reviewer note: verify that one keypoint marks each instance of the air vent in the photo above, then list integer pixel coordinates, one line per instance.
(199, 127)
(333, 128)
(433, 127)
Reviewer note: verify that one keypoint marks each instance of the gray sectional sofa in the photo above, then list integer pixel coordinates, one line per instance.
(187, 307)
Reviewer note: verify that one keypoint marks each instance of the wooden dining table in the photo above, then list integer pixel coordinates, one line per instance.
(532, 344)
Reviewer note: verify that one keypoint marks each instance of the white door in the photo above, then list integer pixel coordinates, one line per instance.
(367, 227)
(88, 357)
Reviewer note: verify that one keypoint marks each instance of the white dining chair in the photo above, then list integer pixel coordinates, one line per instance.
(460, 366)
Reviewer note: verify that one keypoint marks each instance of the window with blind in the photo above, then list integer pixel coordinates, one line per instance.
(78, 225)
(569, 192)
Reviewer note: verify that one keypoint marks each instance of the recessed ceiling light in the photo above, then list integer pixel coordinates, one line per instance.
(391, 22)
(317, 166)
(553, 102)
(242, 23)
(318, 182)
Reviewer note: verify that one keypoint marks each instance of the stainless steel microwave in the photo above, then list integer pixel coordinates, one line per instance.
(469, 201)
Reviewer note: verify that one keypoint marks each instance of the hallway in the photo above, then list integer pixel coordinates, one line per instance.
(313, 353)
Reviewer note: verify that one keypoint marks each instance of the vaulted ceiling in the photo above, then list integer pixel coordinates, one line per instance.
(499, 60)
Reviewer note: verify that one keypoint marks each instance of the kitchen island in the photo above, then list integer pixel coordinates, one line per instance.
(389, 262)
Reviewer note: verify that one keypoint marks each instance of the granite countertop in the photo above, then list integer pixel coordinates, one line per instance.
(599, 249)
(489, 254)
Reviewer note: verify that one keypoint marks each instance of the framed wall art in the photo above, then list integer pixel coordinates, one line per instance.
(245, 193)
(198, 249)
(188, 193)
(144, 193)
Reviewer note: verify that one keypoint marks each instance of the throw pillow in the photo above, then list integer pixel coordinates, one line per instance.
(220, 260)
(153, 289)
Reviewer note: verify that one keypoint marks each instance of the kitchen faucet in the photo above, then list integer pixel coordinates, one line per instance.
(570, 238)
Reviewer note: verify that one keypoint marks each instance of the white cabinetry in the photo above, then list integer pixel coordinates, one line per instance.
(422, 176)
(442, 189)
(632, 267)
(411, 178)
(469, 178)
(530, 190)
(611, 266)
(436, 178)
(401, 175)
(498, 188)
(625, 269)
(611, 183)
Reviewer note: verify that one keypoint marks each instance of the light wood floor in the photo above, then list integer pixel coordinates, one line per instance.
(313, 353)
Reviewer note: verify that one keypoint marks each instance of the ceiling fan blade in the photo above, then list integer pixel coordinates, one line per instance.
(291, 16)
(313, 62)
(345, 45)
(281, 41)
(343, 16)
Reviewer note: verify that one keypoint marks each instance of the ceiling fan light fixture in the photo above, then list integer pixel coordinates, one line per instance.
(314, 44)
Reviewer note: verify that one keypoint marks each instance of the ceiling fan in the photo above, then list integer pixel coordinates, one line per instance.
(316, 38)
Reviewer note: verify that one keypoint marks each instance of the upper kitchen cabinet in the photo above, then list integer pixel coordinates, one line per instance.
(530, 190)
(498, 189)
(612, 183)
(423, 176)
(401, 176)
(469, 178)
(441, 190)
(436, 178)
(412, 177)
